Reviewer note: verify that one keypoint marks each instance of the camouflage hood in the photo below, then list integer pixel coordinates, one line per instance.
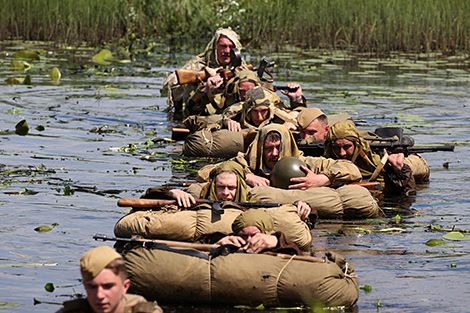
(257, 96)
(210, 54)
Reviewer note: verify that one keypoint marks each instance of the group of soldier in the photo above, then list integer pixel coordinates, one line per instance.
(245, 104)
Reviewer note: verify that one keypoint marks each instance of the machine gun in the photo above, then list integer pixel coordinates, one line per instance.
(389, 138)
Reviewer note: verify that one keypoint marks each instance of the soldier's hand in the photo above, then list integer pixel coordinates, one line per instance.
(290, 126)
(293, 95)
(232, 240)
(310, 181)
(254, 180)
(260, 242)
(183, 198)
(303, 209)
(396, 160)
(213, 81)
(233, 126)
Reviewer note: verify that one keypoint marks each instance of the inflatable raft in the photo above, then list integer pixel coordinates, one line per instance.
(188, 225)
(239, 279)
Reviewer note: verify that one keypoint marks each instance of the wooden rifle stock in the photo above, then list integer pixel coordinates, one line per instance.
(202, 247)
(186, 76)
(158, 203)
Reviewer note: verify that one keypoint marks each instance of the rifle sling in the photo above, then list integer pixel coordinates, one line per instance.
(379, 167)
(190, 252)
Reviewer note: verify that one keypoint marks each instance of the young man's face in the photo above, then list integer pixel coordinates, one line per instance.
(259, 114)
(226, 186)
(271, 151)
(315, 129)
(343, 149)
(105, 291)
(223, 47)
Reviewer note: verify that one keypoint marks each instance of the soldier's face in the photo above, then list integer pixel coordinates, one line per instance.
(343, 149)
(315, 129)
(271, 153)
(105, 291)
(223, 47)
(243, 87)
(259, 114)
(226, 186)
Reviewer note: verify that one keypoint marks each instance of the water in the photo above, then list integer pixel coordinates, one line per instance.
(96, 109)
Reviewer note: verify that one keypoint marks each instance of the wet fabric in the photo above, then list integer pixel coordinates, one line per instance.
(221, 143)
(243, 191)
(258, 218)
(240, 279)
(188, 225)
(349, 201)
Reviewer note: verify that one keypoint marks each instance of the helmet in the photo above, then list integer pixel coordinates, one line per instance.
(285, 169)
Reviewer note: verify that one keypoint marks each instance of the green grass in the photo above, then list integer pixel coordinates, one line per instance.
(414, 26)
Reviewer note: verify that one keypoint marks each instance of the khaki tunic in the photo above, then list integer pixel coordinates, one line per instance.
(131, 304)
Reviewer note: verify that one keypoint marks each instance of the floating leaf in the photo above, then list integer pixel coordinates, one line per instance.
(26, 54)
(366, 288)
(102, 57)
(12, 81)
(17, 65)
(22, 128)
(456, 235)
(40, 128)
(435, 242)
(43, 229)
(6, 305)
(55, 75)
(49, 287)
(27, 80)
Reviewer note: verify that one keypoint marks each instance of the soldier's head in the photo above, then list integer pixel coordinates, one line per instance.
(223, 47)
(271, 149)
(341, 140)
(251, 222)
(104, 278)
(257, 103)
(313, 123)
(226, 186)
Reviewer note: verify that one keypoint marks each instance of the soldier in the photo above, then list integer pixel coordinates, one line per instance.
(105, 280)
(260, 108)
(313, 124)
(215, 56)
(227, 183)
(274, 142)
(253, 231)
(396, 172)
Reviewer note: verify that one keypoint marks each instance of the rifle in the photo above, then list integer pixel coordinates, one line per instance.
(216, 205)
(186, 76)
(317, 149)
(212, 249)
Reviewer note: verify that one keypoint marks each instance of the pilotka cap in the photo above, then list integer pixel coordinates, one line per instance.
(307, 116)
(95, 260)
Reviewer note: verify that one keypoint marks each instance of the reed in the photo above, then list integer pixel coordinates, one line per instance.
(361, 25)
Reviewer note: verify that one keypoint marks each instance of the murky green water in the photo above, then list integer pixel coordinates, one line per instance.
(72, 172)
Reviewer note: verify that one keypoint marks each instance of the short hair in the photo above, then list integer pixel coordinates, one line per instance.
(118, 266)
(272, 136)
(323, 119)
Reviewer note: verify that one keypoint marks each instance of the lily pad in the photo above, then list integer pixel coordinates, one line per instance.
(43, 229)
(22, 128)
(456, 235)
(5, 305)
(26, 54)
(102, 57)
(55, 75)
(435, 242)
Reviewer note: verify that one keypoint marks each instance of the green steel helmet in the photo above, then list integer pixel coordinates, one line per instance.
(285, 169)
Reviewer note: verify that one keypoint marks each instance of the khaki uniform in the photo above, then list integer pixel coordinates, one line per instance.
(414, 169)
(339, 172)
(131, 304)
